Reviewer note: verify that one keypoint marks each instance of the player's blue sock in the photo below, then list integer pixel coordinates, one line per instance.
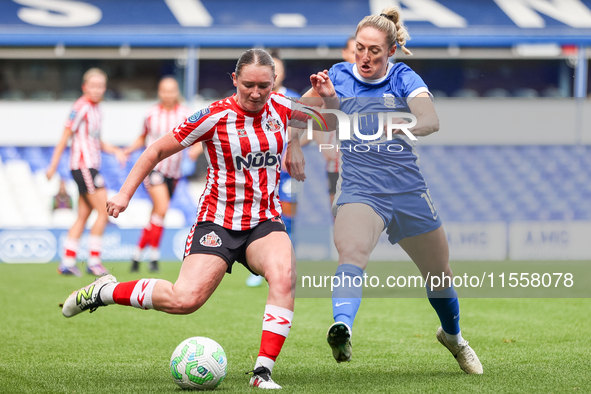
(346, 297)
(447, 306)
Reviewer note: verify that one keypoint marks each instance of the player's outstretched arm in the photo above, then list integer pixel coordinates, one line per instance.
(138, 143)
(155, 153)
(115, 151)
(427, 119)
(57, 152)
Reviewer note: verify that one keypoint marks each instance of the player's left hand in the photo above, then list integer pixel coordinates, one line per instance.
(294, 161)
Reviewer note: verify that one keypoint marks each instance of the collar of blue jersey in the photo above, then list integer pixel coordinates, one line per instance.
(372, 81)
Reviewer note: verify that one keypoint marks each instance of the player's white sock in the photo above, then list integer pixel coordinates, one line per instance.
(276, 326)
(94, 250)
(154, 254)
(137, 293)
(454, 339)
(265, 362)
(70, 251)
(137, 253)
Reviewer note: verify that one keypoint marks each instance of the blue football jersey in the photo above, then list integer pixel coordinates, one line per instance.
(378, 166)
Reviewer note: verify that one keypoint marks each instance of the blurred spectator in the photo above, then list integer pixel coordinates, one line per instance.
(62, 199)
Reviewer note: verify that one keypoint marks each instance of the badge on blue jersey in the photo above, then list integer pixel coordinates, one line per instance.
(198, 115)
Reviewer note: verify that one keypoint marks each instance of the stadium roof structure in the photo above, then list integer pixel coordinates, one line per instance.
(301, 23)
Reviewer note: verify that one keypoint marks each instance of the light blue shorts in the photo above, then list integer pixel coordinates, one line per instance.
(404, 214)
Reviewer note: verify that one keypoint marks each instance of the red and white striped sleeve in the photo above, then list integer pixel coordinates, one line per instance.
(146, 126)
(78, 114)
(297, 115)
(200, 126)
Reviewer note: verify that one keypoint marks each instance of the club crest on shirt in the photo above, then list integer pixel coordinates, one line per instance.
(389, 100)
(211, 240)
(242, 133)
(272, 126)
(198, 115)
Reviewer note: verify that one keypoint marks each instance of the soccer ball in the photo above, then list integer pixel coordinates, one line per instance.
(198, 363)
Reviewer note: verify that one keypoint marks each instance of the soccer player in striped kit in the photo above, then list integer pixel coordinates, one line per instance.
(239, 213)
(383, 189)
(288, 199)
(161, 182)
(84, 128)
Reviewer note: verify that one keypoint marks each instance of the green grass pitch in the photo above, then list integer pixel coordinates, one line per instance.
(525, 345)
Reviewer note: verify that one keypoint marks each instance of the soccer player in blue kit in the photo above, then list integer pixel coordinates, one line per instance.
(383, 189)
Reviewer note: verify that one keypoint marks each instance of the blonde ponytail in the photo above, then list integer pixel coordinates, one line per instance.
(390, 23)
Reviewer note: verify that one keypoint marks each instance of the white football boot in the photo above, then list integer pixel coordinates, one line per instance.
(339, 339)
(87, 297)
(464, 354)
(261, 378)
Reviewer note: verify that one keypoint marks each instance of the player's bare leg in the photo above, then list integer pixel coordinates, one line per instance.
(68, 263)
(199, 276)
(98, 201)
(430, 252)
(84, 211)
(272, 257)
(356, 232)
(351, 221)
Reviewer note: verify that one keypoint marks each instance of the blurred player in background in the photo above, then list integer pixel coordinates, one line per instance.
(288, 200)
(239, 214)
(384, 189)
(161, 182)
(84, 128)
(348, 51)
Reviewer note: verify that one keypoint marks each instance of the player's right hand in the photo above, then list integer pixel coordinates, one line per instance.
(49, 173)
(117, 204)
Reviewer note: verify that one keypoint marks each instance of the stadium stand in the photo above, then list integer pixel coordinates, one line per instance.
(27, 194)
(508, 183)
(467, 183)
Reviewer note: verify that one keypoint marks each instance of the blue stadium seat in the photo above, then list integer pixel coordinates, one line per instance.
(9, 153)
(467, 183)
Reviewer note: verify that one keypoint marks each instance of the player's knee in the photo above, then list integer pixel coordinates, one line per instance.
(354, 251)
(281, 283)
(187, 305)
(280, 280)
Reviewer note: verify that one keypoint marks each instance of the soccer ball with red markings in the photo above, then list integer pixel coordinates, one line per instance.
(198, 363)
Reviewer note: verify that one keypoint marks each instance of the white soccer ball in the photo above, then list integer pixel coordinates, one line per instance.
(198, 363)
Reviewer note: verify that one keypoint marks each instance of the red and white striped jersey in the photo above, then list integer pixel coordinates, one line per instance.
(85, 122)
(244, 155)
(158, 122)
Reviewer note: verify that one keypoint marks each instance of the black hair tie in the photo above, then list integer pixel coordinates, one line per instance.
(390, 17)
